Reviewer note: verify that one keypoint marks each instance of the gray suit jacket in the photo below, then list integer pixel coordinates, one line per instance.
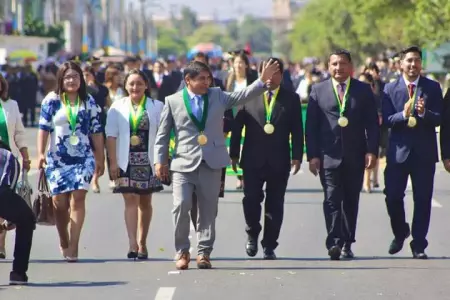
(188, 153)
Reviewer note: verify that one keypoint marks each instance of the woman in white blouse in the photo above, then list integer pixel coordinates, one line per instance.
(131, 127)
(12, 132)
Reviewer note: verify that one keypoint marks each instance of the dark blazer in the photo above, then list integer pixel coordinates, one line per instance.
(422, 138)
(326, 140)
(445, 128)
(260, 148)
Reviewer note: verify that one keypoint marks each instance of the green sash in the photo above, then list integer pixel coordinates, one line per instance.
(3, 126)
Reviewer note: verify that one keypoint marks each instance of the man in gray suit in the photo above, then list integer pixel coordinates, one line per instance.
(196, 115)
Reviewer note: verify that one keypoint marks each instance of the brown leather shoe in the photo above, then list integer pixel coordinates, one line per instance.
(183, 261)
(203, 262)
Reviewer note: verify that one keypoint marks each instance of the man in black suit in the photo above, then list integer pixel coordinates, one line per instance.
(342, 138)
(411, 107)
(267, 158)
(445, 132)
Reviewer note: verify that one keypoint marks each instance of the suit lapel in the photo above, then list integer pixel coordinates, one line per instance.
(261, 110)
(277, 108)
(332, 97)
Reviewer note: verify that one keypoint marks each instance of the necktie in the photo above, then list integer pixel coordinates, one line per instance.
(198, 102)
(269, 96)
(411, 87)
(341, 91)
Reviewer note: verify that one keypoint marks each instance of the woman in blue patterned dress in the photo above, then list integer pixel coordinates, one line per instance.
(131, 128)
(69, 116)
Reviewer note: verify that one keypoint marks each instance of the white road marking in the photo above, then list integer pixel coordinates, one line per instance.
(434, 203)
(165, 293)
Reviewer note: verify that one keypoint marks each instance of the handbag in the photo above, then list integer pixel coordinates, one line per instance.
(43, 203)
(24, 188)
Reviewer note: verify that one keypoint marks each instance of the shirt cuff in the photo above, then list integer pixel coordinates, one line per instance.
(422, 115)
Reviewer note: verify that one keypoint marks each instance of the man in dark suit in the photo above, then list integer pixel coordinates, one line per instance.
(411, 107)
(267, 158)
(445, 132)
(342, 138)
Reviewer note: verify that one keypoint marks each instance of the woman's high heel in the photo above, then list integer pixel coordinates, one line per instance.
(132, 255)
(142, 255)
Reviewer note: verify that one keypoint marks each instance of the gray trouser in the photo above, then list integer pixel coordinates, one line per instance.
(206, 184)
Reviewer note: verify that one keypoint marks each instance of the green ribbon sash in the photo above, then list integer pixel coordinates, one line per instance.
(72, 112)
(200, 124)
(269, 107)
(344, 100)
(136, 115)
(4, 137)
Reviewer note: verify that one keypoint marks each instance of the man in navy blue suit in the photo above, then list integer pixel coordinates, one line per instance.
(342, 139)
(411, 108)
(445, 132)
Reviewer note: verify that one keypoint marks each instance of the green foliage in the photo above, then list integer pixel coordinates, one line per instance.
(169, 42)
(257, 33)
(210, 34)
(34, 27)
(366, 27)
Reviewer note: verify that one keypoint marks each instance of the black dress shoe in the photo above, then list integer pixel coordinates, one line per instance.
(251, 247)
(420, 255)
(397, 244)
(269, 254)
(347, 252)
(335, 252)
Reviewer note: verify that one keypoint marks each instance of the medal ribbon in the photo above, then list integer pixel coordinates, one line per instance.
(200, 124)
(4, 137)
(136, 115)
(72, 112)
(269, 107)
(413, 97)
(344, 99)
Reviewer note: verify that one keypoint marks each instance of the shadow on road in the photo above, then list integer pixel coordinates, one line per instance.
(361, 258)
(83, 284)
(95, 260)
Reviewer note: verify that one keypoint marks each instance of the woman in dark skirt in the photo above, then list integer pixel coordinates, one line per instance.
(131, 129)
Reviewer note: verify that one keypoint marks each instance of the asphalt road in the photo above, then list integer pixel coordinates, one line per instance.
(303, 270)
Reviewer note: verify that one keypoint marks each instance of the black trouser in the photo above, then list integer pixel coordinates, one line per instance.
(342, 188)
(276, 183)
(422, 178)
(14, 209)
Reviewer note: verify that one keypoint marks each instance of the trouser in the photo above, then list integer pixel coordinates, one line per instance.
(14, 209)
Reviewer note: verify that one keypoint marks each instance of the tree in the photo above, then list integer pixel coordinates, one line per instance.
(257, 34)
(34, 27)
(210, 34)
(169, 42)
(187, 24)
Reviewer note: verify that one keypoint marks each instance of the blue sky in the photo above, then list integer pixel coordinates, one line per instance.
(224, 9)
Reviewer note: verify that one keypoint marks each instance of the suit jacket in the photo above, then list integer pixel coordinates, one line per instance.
(420, 139)
(326, 140)
(445, 128)
(259, 147)
(188, 153)
(228, 115)
(16, 130)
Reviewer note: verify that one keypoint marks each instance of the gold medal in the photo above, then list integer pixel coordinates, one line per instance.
(135, 140)
(343, 121)
(202, 139)
(269, 128)
(74, 140)
(412, 122)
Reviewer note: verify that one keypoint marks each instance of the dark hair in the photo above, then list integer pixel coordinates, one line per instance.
(202, 55)
(341, 52)
(143, 76)
(195, 68)
(368, 77)
(410, 49)
(274, 59)
(3, 88)
(110, 72)
(373, 66)
(90, 69)
(232, 76)
(71, 65)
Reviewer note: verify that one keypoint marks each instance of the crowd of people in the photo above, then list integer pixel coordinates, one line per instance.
(128, 116)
